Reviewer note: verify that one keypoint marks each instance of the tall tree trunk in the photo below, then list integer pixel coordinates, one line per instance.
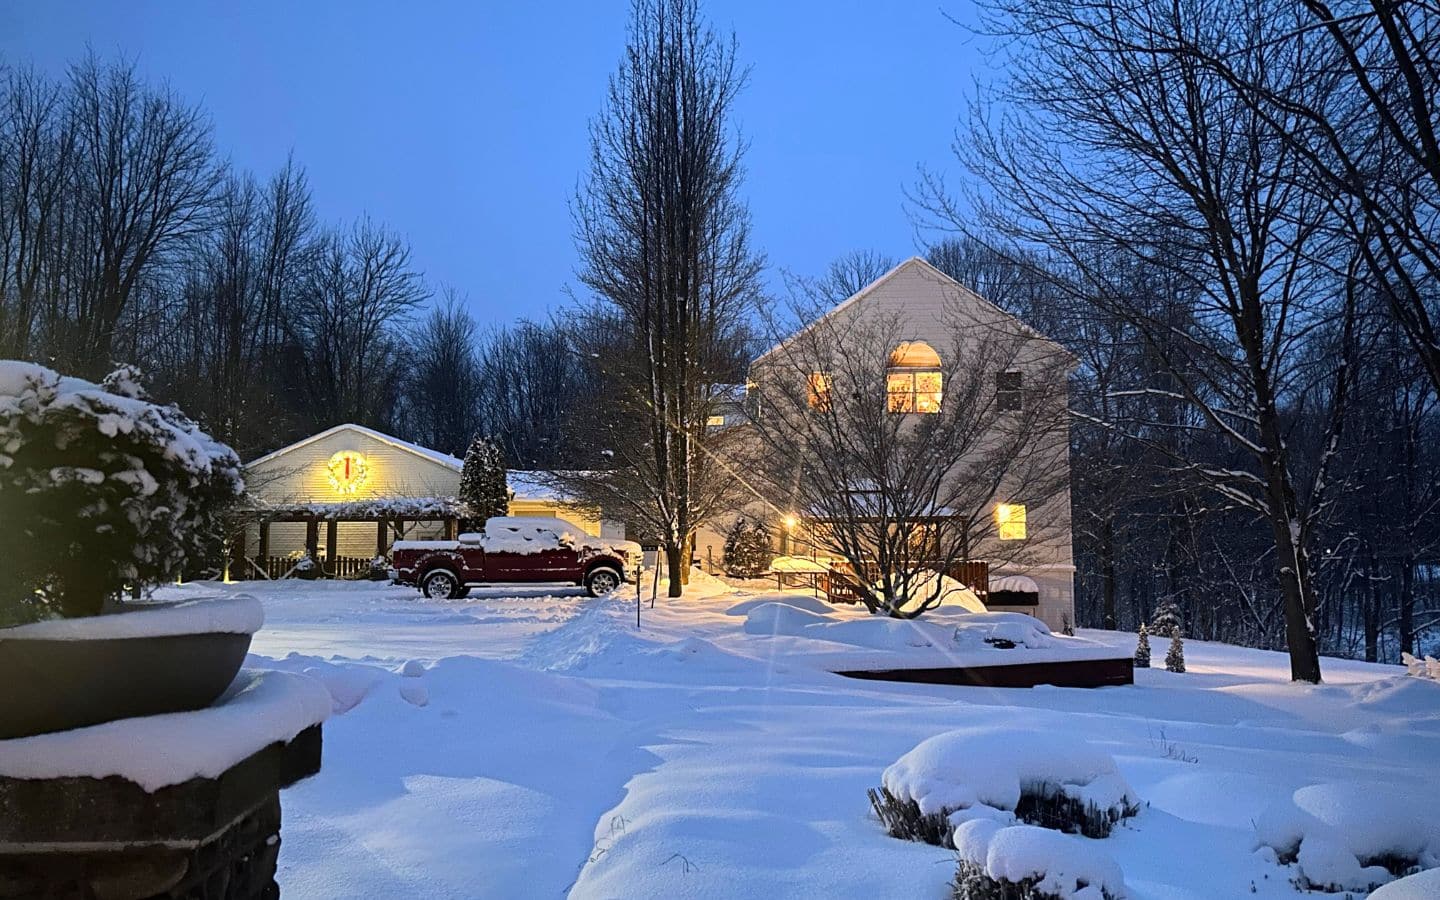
(1107, 571)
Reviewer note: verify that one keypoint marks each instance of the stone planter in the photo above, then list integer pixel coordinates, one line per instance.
(174, 806)
(147, 660)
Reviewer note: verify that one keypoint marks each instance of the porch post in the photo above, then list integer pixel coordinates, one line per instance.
(235, 560)
(312, 538)
(452, 527)
(332, 531)
(380, 536)
(263, 551)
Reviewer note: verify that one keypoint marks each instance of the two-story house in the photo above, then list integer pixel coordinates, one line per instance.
(917, 424)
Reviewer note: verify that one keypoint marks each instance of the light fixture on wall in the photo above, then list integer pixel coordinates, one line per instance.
(347, 471)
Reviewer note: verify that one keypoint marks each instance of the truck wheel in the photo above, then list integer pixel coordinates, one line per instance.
(440, 586)
(601, 581)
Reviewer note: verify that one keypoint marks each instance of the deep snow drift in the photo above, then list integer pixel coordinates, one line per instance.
(517, 743)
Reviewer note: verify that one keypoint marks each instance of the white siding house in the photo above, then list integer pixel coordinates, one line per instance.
(926, 310)
(350, 491)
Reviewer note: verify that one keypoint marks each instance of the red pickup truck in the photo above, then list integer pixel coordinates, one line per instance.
(516, 550)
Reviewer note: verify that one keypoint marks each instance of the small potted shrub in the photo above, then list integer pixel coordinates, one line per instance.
(103, 495)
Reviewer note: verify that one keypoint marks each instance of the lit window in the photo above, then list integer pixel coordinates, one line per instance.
(1010, 520)
(818, 390)
(913, 391)
(1008, 394)
(914, 383)
(715, 421)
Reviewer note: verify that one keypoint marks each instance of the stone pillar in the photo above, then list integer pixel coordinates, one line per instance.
(206, 838)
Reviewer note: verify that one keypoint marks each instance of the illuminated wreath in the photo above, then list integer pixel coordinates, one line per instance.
(347, 471)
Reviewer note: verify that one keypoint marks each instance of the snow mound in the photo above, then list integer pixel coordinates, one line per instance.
(927, 585)
(1342, 836)
(982, 772)
(1055, 864)
(798, 601)
(258, 709)
(1420, 886)
(953, 630)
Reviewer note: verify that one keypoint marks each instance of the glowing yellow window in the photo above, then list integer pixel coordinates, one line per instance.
(909, 392)
(1010, 520)
(715, 421)
(818, 390)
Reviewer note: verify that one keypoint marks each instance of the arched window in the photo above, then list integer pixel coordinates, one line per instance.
(913, 382)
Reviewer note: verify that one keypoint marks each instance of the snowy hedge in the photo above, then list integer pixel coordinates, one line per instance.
(1351, 837)
(1002, 775)
(100, 491)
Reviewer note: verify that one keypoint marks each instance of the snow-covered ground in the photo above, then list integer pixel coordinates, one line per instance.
(525, 743)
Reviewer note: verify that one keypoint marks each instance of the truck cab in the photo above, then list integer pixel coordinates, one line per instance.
(516, 550)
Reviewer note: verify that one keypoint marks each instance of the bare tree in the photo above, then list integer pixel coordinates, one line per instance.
(358, 287)
(903, 484)
(1123, 149)
(665, 245)
(443, 382)
(145, 178)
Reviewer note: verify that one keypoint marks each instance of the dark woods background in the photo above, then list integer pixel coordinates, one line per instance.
(125, 236)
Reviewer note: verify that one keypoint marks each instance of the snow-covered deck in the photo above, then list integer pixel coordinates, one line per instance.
(539, 745)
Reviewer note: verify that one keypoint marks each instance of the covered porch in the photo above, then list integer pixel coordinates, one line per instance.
(333, 540)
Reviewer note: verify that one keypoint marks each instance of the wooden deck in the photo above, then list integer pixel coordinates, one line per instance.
(1085, 673)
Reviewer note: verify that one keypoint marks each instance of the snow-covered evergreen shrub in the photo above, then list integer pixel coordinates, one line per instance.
(1166, 619)
(1022, 862)
(101, 491)
(1175, 656)
(1003, 775)
(483, 488)
(1351, 837)
(748, 552)
(1142, 648)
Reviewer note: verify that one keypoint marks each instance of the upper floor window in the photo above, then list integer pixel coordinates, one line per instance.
(913, 381)
(818, 390)
(1010, 521)
(1009, 396)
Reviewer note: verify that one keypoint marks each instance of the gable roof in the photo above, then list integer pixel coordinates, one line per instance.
(434, 456)
(914, 262)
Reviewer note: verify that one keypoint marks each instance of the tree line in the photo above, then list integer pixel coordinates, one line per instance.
(126, 236)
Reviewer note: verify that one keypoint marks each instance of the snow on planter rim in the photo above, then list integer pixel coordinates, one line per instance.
(239, 614)
(259, 709)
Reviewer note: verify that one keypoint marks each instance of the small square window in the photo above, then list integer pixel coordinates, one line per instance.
(1010, 521)
(1009, 396)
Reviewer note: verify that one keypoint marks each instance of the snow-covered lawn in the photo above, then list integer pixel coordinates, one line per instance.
(524, 744)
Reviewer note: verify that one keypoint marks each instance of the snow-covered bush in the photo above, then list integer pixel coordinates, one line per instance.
(748, 551)
(1142, 648)
(1022, 862)
(1175, 656)
(1351, 837)
(1429, 667)
(1004, 775)
(101, 491)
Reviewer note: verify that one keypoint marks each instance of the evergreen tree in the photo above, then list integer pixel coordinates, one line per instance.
(1142, 649)
(1175, 658)
(482, 481)
(1166, 619)
(748, 552)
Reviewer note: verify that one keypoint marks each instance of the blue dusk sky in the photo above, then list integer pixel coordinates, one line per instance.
(463, 125)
